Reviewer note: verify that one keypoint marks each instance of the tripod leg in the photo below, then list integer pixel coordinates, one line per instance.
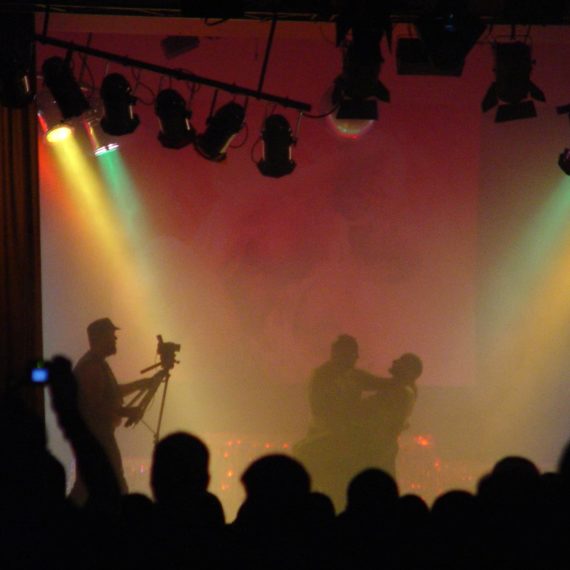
(157, 432)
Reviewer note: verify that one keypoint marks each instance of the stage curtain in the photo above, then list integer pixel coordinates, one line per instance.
(20, 266)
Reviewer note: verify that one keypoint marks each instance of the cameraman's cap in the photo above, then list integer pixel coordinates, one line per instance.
(101, 326)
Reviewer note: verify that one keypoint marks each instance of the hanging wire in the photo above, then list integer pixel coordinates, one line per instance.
(193, 88)
(136, 73)
(213, 23)
(253, 149)
(83, 58)
(213, 105)
(85, 67)
(309, 116)
(297, 128)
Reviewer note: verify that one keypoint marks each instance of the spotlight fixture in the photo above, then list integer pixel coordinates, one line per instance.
(58, 133)
(564, 161)
(16, 89)
(512, 85)
(17, 80)
(49, 119)
(64, 88)
(278, 143)
(446, 36)
(564, 158)
(119, 117)
(174, 119)
(220, 131)
(357, 87)
(100, 141)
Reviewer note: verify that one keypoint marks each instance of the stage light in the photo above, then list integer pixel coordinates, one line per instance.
(357, 89)
(278, 142)
(564, 161)
(100, 141)
(564, 158)
(220, 131)
(448, 34)
(119, 117)
(17, 79)
(174, 119)
(65, 90)
(49, 119)
(16, 89)
(59, 133)
(512, 85)
(347, 126)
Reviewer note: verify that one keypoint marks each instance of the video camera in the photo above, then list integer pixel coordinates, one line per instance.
(167, 352)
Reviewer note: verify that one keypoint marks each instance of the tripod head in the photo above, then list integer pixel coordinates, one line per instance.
(167, 354)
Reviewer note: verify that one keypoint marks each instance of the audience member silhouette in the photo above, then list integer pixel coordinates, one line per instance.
(273, 523)
(518, 519)
(455, 532)
(367, 531)
(189, 519)
(39, 527)
(412, 527)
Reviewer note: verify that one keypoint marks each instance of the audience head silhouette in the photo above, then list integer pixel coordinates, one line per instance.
(276, 479)
(372, 491)
(180, 467)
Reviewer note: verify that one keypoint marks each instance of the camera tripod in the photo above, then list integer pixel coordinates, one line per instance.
(167, 353)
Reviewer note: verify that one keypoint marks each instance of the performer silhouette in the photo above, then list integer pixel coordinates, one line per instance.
(356, 417)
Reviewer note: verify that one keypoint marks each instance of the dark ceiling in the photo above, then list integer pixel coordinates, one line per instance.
(536, 12)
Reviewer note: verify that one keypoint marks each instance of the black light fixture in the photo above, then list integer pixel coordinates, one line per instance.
(512, 90)
(118, 117)
(564, 161)
(174, 119)
(564, 158)
(447, 34)
(16, 86)
(357, 88)
(64, 88)
(220, 131)
(17, 79)
(278, 141)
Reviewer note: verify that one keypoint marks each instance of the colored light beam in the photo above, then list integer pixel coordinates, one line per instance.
(530, 328)
(132, 218)
(532, 257)
(92, 203)
(125, 199)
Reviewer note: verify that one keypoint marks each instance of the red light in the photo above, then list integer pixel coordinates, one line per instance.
(423, 440)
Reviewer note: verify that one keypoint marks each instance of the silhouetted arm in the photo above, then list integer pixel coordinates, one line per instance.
(369, 381)
(91, 459)
(141, 384)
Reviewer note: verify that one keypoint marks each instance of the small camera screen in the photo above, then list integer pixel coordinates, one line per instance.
(39, 375)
